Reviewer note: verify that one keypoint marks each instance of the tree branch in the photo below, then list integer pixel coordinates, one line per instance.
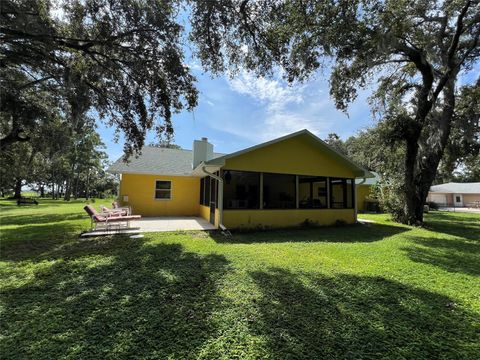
(451, 64)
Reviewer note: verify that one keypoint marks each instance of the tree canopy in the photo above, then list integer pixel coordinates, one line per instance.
(126, 54)
(125, 60)
(412, 52)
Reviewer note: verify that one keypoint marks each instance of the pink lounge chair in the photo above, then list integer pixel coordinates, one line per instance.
(124, 211)
(116, 206)
(107, 219)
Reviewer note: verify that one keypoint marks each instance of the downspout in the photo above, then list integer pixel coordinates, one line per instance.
(220, 196)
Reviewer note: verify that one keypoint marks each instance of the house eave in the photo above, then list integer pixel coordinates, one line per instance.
(191, 174)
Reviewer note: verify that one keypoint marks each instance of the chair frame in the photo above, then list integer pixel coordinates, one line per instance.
(112, 219)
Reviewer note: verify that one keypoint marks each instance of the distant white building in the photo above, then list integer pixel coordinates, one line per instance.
(455, 194)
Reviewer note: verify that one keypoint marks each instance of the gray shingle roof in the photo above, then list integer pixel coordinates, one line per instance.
(457, 188)
(158, 161)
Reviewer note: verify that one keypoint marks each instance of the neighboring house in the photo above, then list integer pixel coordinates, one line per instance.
(455, 194)
(364, 190)
(294, 179)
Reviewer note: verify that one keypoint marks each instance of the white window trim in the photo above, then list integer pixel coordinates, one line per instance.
(155, 190)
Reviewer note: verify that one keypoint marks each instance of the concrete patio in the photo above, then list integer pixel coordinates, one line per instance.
(154, 224)
(171, 223)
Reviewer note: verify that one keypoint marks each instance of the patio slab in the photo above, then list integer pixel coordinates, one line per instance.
(155, 224)
(172, 223)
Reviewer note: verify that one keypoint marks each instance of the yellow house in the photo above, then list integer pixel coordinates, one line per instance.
(288, 181)
(364, 190)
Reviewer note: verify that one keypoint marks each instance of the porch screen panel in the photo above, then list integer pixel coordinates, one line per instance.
(341, 193)
(279, 191)
(213, 190)
(241, 190)
(312, 192)
(202, 190)
(216, 190)
(206, 201)
(349, 189)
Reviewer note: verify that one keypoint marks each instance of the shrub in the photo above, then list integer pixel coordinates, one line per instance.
(432, 205)
(309, 223)
(340, 223)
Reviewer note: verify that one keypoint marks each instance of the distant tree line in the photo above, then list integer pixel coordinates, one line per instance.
(60, 161)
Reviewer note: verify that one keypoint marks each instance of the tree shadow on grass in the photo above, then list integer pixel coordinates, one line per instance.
(465, 226)
(342, 234)
(130, 300)
(37, 240)
(40, 218)
(354, 317)
(453, 255)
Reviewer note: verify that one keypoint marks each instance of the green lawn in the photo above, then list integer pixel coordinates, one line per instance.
(377, 291)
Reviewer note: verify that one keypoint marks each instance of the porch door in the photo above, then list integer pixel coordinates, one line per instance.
(458, 199)
(212, 212)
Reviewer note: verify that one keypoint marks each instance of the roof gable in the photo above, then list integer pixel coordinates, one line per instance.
(307, 137)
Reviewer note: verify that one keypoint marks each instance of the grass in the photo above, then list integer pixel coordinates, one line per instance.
(377, 291)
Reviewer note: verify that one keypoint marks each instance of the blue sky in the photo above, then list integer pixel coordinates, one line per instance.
(244, 111)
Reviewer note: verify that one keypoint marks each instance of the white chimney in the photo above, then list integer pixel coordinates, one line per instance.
(202, 151)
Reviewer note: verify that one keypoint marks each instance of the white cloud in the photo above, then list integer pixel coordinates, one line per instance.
(284, 108)
(275, 93)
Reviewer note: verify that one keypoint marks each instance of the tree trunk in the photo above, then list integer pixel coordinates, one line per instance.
(87, 185)
(421, 166)
(18, 189)
(68, 190)
(413, 203)
(42, 191)
(75, 190)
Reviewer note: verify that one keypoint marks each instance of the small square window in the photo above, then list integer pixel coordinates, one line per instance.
(163, 189)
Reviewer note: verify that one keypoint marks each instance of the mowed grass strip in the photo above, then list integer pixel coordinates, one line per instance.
(382, 290)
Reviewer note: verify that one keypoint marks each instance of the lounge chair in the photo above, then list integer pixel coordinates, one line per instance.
(117, 207)
(124, 211)
(108, 219)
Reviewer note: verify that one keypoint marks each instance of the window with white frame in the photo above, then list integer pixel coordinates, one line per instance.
(163, 189)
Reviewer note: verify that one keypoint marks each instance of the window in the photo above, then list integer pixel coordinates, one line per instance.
(457, 199)
(241, 190)
(341, 193)
(279, 191)
(163, 189)
(312, 192)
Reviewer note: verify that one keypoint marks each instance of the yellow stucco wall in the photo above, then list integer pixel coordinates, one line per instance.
(283, 218)
(205, 213)
(363, 192)
(140, 190)
(297, 156)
